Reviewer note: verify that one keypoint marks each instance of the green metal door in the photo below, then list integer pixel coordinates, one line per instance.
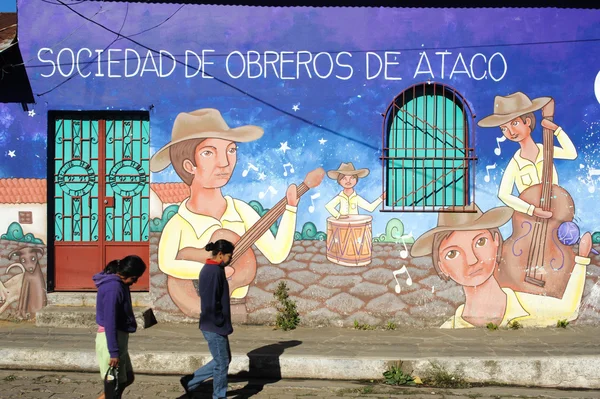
(101, 195)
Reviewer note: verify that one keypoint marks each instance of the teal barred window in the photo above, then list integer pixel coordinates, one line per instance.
(428, 155)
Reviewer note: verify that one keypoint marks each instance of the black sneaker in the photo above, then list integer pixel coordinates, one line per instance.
(184, 382)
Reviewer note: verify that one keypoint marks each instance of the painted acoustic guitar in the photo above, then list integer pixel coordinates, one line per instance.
(242, 269)
(533, 259)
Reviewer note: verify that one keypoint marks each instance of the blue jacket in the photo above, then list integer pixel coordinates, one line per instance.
(213, 287)
(113, 309)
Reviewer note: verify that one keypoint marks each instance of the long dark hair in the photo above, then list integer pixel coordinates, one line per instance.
(129, 266)
(223, 246)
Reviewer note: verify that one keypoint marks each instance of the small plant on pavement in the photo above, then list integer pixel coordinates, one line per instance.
(10, 377)
(367, 390)
(438, 376)
(395, 376)
(390, 326)
(562, 324)
(515, 325)
(491, 326)
(287, 318)
(360, 326)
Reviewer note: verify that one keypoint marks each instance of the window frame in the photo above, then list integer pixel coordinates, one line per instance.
(25, 217)
(445, 91)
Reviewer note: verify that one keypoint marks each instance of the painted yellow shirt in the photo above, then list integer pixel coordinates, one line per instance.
(188, 229)
(350, 205)
(537, 310)
(523, 173)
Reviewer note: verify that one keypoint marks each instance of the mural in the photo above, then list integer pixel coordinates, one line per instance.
(22, 260)
(23, 293)
(451, 141)
(203, 152)
(467, 248)
(349, 238)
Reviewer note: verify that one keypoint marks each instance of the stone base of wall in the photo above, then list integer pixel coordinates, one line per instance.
(327, 294)
(10, 311)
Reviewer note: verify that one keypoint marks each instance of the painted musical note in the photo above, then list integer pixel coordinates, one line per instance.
(404, 252)
(285, 172)
(313, 197)
(499, 140)
(403, 269)
(592, 173)
(250, 166)
(271, 189)
(487, 170)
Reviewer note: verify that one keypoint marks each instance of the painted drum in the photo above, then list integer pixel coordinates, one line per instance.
(350, 240)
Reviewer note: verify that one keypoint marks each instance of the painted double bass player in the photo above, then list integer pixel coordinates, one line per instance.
(533, 259)
(203, 152)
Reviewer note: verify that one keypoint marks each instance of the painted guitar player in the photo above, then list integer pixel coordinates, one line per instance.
(203, 152)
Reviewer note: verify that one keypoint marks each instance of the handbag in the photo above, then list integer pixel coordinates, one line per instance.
(111, 384)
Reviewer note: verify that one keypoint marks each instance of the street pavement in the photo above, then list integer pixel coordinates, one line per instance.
(551, 357)
(42, 384)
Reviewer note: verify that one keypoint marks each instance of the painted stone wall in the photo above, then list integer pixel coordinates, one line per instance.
(14, 280)
(329, 294)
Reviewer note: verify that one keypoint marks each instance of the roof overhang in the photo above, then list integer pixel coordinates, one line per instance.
(14, 83)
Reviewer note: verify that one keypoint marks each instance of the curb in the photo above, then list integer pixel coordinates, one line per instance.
(563, 371)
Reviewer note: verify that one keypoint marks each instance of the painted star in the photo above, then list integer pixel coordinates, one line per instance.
(284, 147)
(262, 176)
(296, 107)
(12, 154)
(31, 113)
(322, 141)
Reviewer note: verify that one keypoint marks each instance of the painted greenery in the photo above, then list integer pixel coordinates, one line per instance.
(158, 224)
(15, 233)
(394, 232)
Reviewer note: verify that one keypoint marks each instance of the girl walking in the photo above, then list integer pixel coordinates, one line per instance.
(215, 319)
(115, 318)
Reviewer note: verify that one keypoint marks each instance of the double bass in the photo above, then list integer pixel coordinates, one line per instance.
(533, 259)
(242, 268)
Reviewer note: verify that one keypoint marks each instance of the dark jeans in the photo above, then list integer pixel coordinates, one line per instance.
(217, 368)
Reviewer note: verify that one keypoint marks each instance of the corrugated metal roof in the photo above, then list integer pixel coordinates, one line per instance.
(8, 29)
(570, 4)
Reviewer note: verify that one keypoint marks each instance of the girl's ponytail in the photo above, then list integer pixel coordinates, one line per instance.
(129, 266)
(112, 267)
(223, 246)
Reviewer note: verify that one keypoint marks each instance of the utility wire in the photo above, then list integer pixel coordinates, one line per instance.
(260, 100)
(105, 48)
(156, 26)
(76, 3)
(100, 11)
(410, 49)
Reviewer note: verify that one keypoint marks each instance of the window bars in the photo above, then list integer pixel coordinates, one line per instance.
(428, 155)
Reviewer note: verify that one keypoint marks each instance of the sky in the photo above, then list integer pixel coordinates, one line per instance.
(8, 5)
(322, 120)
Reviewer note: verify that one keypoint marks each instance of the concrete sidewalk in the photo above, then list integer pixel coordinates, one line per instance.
(534, 357)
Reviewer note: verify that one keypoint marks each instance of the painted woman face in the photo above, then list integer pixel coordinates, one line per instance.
(215, 161)
(348, 181)
(517, 129)
(469, 257)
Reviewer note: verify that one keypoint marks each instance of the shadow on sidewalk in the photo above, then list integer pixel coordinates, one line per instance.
(264, 368)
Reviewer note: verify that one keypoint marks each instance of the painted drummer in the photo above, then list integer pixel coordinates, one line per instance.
(348, 201)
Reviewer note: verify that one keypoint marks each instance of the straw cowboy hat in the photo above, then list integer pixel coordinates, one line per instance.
(347, 169)
(508, 108)
(461, 221)
(202, 124)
